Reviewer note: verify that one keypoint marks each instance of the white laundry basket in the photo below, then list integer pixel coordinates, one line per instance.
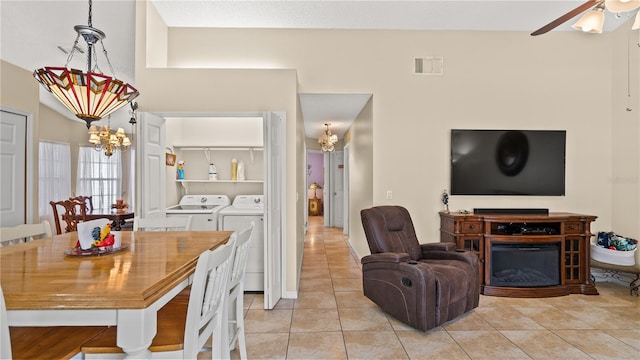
(616, 257)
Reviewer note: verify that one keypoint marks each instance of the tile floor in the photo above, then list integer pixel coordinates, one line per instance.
(332, 319)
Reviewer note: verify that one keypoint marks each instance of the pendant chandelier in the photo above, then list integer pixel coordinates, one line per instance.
(327, 140)
(104, 139)
(89, 95)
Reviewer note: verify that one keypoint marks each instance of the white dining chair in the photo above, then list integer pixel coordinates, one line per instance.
(162, 223)
(203, 318)
(32, 342)
(235, 304)
(5, 340)
(24, 233)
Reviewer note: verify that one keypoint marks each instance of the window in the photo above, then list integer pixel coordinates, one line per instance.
(54, 171)
(99, 176)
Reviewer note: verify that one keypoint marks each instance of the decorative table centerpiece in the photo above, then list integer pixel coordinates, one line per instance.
(95, 238)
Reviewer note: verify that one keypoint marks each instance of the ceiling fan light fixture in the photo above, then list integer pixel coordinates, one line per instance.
(592, 21)
(620, 6)
(636, 22)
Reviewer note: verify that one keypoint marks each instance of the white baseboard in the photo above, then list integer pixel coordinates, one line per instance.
(290, 295)
(353, 249)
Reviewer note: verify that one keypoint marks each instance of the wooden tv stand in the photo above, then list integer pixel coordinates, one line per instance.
(477, 232)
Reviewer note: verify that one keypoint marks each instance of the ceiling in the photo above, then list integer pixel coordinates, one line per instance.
(31, 31)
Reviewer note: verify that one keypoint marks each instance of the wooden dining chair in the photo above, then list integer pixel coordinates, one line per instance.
(42, 342)
(86, 200)
(24, 233)
(184, 330)
(74, 212)
(162, 223)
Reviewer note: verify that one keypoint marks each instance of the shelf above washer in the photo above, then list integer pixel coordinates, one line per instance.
(221, 181)
(220, 148)
(185, 183)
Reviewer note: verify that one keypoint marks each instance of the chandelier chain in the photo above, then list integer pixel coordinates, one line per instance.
(73, 50)
(94, 55)
(90, 23)
(104, 51)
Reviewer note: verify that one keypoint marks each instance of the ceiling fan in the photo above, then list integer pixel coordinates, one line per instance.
(592, 21)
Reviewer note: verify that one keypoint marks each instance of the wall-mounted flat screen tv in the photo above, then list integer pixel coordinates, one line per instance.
(508, 162)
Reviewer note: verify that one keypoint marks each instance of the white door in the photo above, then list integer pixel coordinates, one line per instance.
(337, 188)
(275, 185)
(150, 164)
(13, 151)
(345, 203)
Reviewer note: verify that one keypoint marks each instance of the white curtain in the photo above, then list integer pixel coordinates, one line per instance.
(54, 183)
(99, 176)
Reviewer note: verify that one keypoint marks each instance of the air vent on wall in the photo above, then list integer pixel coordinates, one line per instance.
(432, 65)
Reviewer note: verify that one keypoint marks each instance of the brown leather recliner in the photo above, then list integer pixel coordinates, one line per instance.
(422, 285)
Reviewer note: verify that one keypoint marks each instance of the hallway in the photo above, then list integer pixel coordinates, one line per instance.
(331, 319)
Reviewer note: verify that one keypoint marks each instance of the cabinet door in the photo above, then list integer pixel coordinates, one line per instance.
(574, 259)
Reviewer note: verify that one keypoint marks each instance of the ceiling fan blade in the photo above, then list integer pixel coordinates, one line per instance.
(566, 17)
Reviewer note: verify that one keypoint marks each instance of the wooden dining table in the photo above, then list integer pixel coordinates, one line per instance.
(45, 287)
(117, 216)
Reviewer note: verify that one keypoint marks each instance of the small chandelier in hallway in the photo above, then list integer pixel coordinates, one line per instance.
(328, 140)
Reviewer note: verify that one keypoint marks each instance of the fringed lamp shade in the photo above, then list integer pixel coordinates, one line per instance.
(90, 96)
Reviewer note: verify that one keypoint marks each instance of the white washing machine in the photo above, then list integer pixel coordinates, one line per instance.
(203, 209)
(237, 216)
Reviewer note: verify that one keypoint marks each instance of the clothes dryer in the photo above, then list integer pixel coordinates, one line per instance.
(244, 210)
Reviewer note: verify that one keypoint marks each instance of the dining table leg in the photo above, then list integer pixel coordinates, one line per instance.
(115, 225)
(136, 330)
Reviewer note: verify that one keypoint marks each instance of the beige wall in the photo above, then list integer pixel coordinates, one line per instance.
(361, 175)
(492, 80)
(57, 128)
(19, 91)
(625, 176)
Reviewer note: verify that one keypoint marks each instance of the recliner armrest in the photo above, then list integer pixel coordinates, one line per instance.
(385, 257)
(439, 246)
(462, 255)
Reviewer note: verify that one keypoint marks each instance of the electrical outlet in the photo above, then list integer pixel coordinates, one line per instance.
(389, 195)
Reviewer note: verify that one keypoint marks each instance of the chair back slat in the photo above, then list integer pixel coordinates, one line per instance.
(24, 233)
(242, 254)
(86, 200)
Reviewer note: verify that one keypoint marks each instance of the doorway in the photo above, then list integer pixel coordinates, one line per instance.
(315, 183)
(327, 190)
(154, 175)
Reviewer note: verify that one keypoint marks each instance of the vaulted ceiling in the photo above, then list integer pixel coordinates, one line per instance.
(31, 31)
